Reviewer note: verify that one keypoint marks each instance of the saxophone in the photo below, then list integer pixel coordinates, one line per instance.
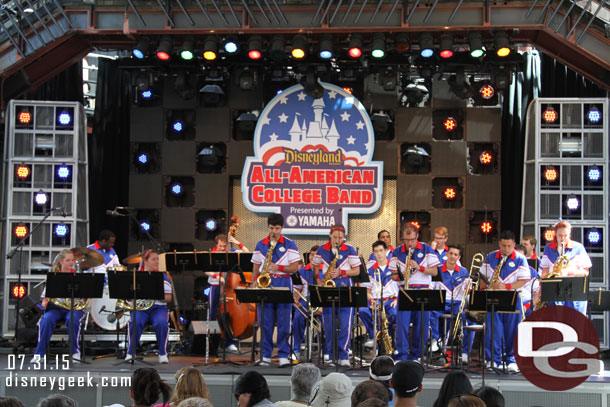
(496, 275)
(560, 264)
(383, 335)
(327, 281)
(264, 279)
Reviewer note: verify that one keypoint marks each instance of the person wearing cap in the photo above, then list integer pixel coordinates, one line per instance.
(380, 371)
(347, 264)
(251, 390)
(302, 381)
(407, 378)
(335, 390)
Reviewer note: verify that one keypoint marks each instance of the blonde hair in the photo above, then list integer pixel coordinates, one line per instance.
(189, 383)
(60, 256)
(441, 230)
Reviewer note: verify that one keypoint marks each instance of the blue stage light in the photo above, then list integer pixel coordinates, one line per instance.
(594, 174)
(61, 230)
(143, 158)
(326, 54)
(427, 52)
(64, 118)
(63, 171)
(210, 224)
(594, 236)
(145, 226)
(176, 189)
(231, 47)
(178, 126)
(146, 94)
(594, 115)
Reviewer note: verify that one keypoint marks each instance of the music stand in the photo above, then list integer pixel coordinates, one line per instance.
(349, 297)
(422, 301)
(492, 301)
(361, 278)
(74, 285)
(276, 295)
(599, 300)
(563, 289)
(135, 285)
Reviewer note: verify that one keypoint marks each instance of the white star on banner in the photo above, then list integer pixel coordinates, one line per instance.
(332, 94)
(360, 125)
(283, 100)
(345, 117)
(301, 96)
(265, 120)
(273, 136)
(351, 140)
(283, 118)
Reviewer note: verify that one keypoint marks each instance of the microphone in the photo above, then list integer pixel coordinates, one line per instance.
(102, 309)
(113, 213)
(123, 207)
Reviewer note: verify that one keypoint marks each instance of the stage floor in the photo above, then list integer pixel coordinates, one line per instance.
(102, 382)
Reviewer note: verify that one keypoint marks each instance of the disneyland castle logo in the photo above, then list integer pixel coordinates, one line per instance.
(312, 161)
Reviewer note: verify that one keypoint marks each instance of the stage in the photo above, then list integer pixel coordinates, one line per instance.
(102, 382)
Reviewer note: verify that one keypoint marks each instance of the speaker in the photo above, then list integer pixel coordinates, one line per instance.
(30, 311)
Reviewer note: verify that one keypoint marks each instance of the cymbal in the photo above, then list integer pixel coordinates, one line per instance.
(87, 257)
(133, 259)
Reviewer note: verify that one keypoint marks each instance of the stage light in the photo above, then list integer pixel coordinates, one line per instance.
(23, 172)
(210, 48)
(145, 226)
(178, 126)
(177, 189)
(141, 48)
(231, 45)
(326, 46)
(549, 235)
(450, 193)
(212, 95)
(61, 230)
(146, 94)
(416, 156)
(143, 159)
(551, 174)
(594, 174)
(211, 158)
(401, 43)
(246, 123)
(18, 291)
(186, 50)
(416, 224)
(459, 84)
(573, 203)
(450, 124)
(355, 46)
(476, 44)
(348, 90)
(487, 91)
(41, 198)
(594, 115)
(446, 46)
(165, 48)
(426, 45)
(210, 224)
(502, 44)
(21, 231)
(414, 94)
(382, 124)
(378, 45)
(486, 158)
(25, 117)
(389, 79)
(486, 227)
(299, 47)
(64, 118)
(594, 237)
(311, 85)
(142, 81)
(255, 45)
(277, 47)
(550, 115)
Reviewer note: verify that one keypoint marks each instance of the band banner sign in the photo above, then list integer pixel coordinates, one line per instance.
(313, 161)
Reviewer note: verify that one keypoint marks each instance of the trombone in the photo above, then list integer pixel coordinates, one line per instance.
(314, 321)
(477, 262)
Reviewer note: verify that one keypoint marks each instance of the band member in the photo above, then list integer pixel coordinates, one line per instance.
(382, 290)
(282, 257)
(385, 237)
(347, 264)
(529, 243)
(217, 280)
(299, 321)
(53, 313)
(439, 245)
(158, 314)
(105, 246)
(532, 286)
(514, 272)
(423, 264)
(579, 261)
(454, 281)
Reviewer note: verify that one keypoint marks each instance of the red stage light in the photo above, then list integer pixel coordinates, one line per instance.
(450, 193)
(25, 117)
(487, 91)
(446, 53)
(486, 158)
(486, 227)
(18, 291)
(23, 171)
(416, 224)
(550, 174)
(355, 52)
(163, 56)
(348, 90)
(450, 124)
(550, 115)
(549, 235)
(254, 54)
(21, 231)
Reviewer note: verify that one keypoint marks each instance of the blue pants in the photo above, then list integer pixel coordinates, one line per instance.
(214, 303)
(403, 321)
(280, 315)
(580, 306)
(434, 316)
(505, 329)
(158, 316)
(366, 316)
(47, 323)
(343, 322)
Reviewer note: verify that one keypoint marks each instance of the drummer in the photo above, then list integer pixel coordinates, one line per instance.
(104, 246)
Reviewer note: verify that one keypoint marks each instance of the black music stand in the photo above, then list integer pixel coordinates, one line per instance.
(563, 289)
(492, 301)
(134, 285)
(362, 278)
(74, 285)
(351, 297)
(599, 300)
(422, 301)
(276, 295)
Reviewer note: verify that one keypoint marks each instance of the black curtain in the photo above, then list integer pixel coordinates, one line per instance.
(109, 153)
(543, 76)
(66, 86)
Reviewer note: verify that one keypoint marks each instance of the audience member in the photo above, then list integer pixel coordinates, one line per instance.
(374, 402)
(57, 400)
(367, 390)
(334, 390)
(251, 390)
(195, 402)
(10, 402)
(381, 371)
(303, 379)
(466, 400)
(147, 387)
(491, 396)
(189, 383)
(455, 383)
(407, 378)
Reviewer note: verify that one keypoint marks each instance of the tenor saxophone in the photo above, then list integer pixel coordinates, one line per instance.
(496, 275)
(264, 278)
(327, 281)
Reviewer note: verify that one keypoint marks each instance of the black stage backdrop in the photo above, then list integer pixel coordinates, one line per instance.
(66, 86)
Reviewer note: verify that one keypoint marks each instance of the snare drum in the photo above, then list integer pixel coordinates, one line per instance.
(102, 312)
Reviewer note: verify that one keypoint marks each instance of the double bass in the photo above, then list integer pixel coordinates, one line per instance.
(236, 319)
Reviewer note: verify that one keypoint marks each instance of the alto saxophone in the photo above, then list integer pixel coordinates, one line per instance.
(327, 281)
(496, 275)
(383, 335)
(560, 264)
(264, 278)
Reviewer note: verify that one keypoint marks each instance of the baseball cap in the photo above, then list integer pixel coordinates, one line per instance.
(407, 376)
